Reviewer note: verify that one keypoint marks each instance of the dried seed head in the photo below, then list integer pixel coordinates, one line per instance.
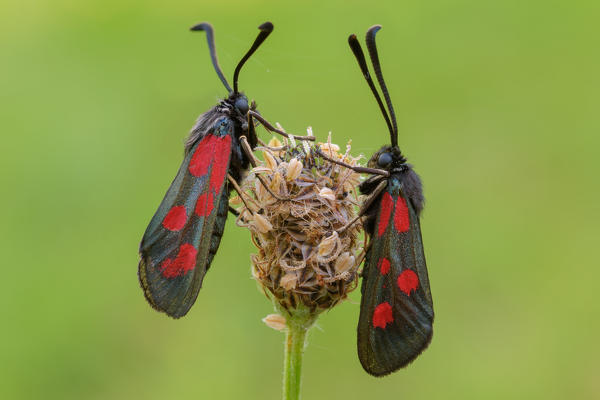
(302, 260)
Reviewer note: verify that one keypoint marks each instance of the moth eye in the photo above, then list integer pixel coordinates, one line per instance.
(384, 160)
(242, 105)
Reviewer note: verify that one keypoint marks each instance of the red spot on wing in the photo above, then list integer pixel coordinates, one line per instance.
(382, 315)
(384, 215)
(203, 155)
(175, 218)
(408, 281)
(184, 262)
(221, 155)
(205, 204)
(401, 218)
(384, 266)
(212, 152)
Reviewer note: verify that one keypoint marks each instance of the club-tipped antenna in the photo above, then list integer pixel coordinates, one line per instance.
(210, 37)
(372, 47)
(362, 63)
(265, 30)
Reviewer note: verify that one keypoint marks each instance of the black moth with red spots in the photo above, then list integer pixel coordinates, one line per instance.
(396, 310)
(184, 234)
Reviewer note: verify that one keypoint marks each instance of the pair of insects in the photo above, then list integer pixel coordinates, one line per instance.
(396, 312)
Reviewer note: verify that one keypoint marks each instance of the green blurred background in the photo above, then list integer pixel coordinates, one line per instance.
(497, 104)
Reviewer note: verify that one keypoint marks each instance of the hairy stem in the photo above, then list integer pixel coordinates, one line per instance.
(298, 324)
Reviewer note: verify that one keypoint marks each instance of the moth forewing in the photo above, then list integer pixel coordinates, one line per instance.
(184, 234)
(396, 317)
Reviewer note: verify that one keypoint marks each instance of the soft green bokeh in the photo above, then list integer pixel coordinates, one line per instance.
(497, 104)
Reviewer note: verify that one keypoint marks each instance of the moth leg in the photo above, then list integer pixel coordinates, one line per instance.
(239, 192)
(248, 150)
(271, 128)
(361, 170)
(234, 211)
(361, 257)
(367, 203)
(252, 136)
(264, 146)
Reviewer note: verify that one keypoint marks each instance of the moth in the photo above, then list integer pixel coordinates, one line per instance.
(396, 309)
(183, 236)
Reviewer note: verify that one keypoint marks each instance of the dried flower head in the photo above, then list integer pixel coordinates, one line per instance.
(303, 259)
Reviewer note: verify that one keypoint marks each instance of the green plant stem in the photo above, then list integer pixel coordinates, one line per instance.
(295, 340)
(298, 325)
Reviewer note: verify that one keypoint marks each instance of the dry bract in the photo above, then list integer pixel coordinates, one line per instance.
(302, 259)
(344, 263)
(327, 193)
(329, 148)
(275, 321)
(261, 224)
(269, 160)
(328, 244)
(294, 169)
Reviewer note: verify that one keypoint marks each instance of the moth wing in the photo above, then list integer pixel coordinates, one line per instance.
(396, 311)
(184, 233)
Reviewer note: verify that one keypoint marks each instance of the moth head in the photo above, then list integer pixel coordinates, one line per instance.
(387, 158)
(241, 104)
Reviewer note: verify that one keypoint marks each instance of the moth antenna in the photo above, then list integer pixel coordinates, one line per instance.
(362, 63)
(359, 169)
(210, 37)
(268, 126)
(265, 30)
(372, 47)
